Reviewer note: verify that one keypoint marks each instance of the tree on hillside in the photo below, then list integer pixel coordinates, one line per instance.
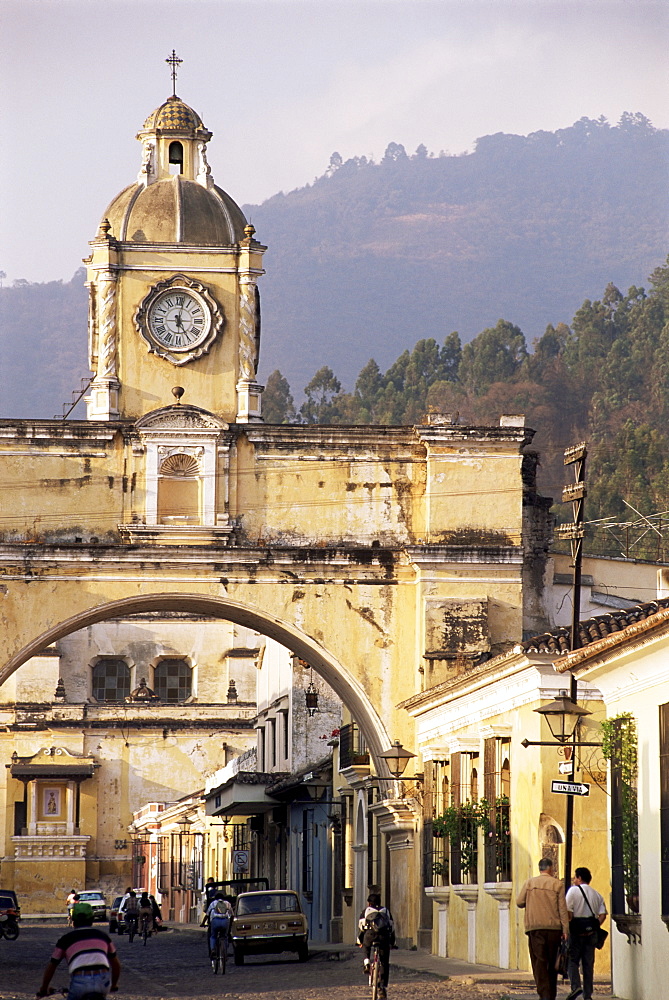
(494, 356)
(395, 152)
(278, 406)
(322, 392)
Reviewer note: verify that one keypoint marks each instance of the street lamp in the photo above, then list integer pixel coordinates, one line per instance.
(397, 759)
(311, 699)
(562, 716)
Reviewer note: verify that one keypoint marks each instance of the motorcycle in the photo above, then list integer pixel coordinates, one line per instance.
(9, 926)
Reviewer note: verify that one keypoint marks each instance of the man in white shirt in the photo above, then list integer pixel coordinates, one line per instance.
(587, 911)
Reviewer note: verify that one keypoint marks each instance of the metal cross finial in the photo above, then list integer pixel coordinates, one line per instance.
(174, 62)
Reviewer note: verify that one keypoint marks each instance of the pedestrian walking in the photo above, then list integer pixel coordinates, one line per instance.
(587, 912)
(546, 925)
(72, 898)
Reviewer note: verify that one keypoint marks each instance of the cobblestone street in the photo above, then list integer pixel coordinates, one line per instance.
(173, 965)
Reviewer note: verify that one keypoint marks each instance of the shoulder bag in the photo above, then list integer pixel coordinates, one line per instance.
(601, 934)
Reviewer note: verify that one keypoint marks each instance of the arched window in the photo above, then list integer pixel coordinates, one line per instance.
(179, 490)
(111, 680)
(176, 158)
(173, 680)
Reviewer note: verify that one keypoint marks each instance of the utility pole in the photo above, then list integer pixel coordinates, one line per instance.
(575, 532)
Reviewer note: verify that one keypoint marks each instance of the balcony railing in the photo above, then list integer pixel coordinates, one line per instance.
(352, 748)
(436, 866)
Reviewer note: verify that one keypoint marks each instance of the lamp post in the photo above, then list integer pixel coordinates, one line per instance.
(563, 716)
(311, 699)
(558, 712)
(311, 692)
(397, 759)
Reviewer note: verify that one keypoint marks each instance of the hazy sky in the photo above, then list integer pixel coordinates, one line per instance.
(284, 83)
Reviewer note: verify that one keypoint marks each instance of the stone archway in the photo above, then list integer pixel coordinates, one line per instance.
(342, 682)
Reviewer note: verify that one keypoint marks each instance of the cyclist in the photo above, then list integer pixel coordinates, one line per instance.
(218, 916)
(90, 955)
(145, 910)
(376, 926)
(157, 913)
(207, 895)
(130, 910)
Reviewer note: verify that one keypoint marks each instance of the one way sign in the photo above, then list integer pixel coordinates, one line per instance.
(570, 787)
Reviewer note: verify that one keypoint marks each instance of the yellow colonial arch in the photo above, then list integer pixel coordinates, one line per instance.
(389, 558)
(340, 679)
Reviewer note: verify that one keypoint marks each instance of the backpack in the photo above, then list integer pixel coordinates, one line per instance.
(378, 921)
(221, 908)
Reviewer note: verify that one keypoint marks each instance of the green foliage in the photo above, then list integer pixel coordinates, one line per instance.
(461, 825)
(620, 747)
(604, 379)
(440, 868)
(277, 402)
(322, 398)
(619, 743)
(494, 356)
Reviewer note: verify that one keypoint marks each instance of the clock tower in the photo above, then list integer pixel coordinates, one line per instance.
(172, 277)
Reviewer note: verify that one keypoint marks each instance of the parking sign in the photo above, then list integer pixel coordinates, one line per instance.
(240, 861)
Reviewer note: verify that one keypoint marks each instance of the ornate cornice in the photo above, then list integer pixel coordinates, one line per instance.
(179, 417)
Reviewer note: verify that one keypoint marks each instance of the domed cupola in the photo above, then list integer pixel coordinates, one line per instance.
(173, 286)
(174, 116)
(175, 199)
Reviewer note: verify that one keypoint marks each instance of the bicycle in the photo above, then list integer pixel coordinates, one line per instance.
(219, 955)
(131, 923)
(376, 973)
(146, 928)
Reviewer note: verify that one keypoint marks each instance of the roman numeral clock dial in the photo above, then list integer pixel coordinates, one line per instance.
(179, 319)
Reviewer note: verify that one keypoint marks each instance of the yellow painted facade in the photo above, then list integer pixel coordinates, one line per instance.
(472, 913)
(630, 669)
(361, 549)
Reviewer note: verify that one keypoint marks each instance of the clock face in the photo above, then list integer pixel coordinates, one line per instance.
(178, 319)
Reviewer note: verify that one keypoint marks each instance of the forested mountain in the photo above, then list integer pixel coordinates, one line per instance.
(42, 345)
(603, 379)
(372, 257)
(555, 232)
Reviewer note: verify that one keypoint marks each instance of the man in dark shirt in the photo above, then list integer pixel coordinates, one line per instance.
(90, 955)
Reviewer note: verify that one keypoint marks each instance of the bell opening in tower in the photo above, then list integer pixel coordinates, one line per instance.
(176, 158)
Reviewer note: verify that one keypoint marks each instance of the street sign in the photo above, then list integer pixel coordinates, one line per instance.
(565, 767)
(240, 861)
(570, 787)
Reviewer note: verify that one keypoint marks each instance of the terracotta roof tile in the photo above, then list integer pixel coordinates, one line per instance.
(558, 640)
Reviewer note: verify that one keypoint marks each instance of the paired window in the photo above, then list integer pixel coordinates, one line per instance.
(470, 807)
(172, 680)
(111, 680)
(496, 818)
